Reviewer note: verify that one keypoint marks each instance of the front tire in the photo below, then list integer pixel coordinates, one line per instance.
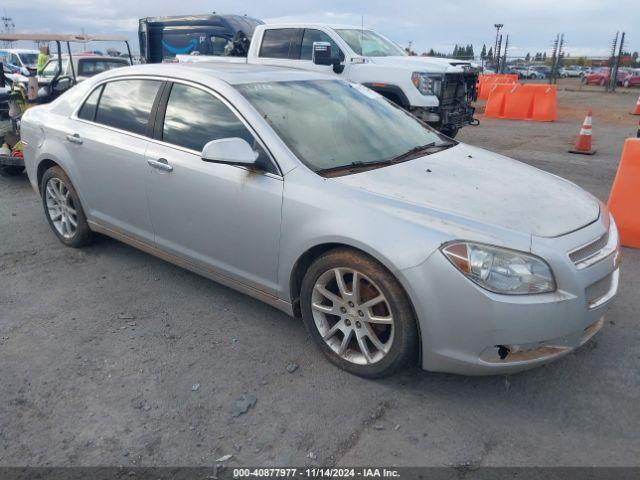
(358, 314)
(63, 209)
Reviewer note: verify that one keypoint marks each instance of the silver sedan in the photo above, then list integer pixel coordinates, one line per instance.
(394, 243)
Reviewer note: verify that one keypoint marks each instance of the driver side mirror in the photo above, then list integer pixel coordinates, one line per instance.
(321, 55)
(232, 151)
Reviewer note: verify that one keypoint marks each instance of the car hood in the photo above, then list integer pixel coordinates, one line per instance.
(432, 64)
(484, 187)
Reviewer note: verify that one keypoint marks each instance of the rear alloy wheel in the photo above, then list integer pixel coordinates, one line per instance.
(63, 210)
(358, 314)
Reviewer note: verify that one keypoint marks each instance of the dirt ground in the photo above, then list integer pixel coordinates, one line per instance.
(109, 356)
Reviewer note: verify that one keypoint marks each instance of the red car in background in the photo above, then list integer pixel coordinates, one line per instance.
(632, 78)
(601, 77)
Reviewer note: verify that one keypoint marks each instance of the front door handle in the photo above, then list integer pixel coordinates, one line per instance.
(74, 138)
(160, 164)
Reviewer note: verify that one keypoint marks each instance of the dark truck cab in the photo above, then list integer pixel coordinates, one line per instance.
(162, 38)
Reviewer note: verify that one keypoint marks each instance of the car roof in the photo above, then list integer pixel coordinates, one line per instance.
(232, 73)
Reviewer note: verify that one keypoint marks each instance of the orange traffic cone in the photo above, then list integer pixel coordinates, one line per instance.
(583, 144)
(637, 110)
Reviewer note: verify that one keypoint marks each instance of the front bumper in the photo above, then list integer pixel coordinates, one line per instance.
(468, 330)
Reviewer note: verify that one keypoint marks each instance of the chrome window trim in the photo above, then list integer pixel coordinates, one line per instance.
(234, 110)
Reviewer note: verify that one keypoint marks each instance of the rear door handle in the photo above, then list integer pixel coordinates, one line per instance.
(160, 164)
(74, 138)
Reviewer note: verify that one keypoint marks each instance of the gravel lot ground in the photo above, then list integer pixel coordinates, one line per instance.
(109, 356)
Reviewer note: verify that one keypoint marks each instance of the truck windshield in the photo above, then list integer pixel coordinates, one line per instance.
(329, 124)
(29, 59)
(369, 44)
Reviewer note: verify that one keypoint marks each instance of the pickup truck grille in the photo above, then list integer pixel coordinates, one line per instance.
(459, 88)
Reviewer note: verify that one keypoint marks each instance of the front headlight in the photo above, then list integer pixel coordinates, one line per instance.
(427, 84)
(500, 270)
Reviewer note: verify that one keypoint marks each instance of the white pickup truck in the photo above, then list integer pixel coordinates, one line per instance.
(439, 91)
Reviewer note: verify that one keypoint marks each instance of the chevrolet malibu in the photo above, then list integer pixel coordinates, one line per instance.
(394, 243)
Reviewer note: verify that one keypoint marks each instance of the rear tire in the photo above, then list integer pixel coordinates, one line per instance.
(370, 332)
(63, 209)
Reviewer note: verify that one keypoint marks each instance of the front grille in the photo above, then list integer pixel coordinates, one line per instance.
(590, 250)
(458, 88)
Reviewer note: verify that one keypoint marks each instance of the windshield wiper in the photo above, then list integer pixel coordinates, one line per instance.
(408, 155)
(353, 166)
(420, 149)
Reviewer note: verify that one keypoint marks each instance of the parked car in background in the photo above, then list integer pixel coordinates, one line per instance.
(84, 66)
(19, 60)
(325, 200)
(602, 76)
(570, 71)
(529, 73)
(631, 78)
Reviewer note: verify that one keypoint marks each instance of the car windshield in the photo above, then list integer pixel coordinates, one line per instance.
(29, 59)
(369, 44)
(51, 68)
(330, 124)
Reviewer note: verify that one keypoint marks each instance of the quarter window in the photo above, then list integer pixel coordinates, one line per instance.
(88, 110)
(279, 43)
(194, 117)
(126, 104)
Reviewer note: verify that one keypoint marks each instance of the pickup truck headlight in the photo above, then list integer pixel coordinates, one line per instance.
(501, 270)
(427, 84)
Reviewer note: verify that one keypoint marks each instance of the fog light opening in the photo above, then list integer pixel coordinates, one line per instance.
(503, 351)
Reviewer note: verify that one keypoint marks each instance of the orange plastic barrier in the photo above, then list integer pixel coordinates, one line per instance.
(523, 102)
(625, 194)
(486, 81)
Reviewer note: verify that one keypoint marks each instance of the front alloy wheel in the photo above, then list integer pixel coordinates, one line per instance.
(358, 314)
(352, 315)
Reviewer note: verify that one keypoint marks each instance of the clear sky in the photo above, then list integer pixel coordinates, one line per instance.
(589, 25)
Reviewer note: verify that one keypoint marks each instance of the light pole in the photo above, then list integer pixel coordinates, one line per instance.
(495, 47)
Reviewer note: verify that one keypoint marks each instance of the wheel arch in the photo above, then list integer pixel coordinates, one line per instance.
(43, 166)
(305, 260)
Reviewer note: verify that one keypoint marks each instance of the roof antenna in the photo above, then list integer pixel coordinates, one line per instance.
(361, 32)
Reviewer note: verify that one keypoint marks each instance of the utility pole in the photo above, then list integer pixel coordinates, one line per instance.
(497, 26)
(556, 59)
(613, 73)
(504, 57)
(497, 54)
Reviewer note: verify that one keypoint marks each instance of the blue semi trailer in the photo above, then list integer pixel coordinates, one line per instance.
(162, 38)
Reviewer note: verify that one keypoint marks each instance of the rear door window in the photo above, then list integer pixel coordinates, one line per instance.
(126, 104)
(280, 43)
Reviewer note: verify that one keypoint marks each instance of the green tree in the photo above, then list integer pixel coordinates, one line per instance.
(483, 53)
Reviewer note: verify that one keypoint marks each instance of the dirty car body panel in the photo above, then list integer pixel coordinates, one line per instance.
(250, 229)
